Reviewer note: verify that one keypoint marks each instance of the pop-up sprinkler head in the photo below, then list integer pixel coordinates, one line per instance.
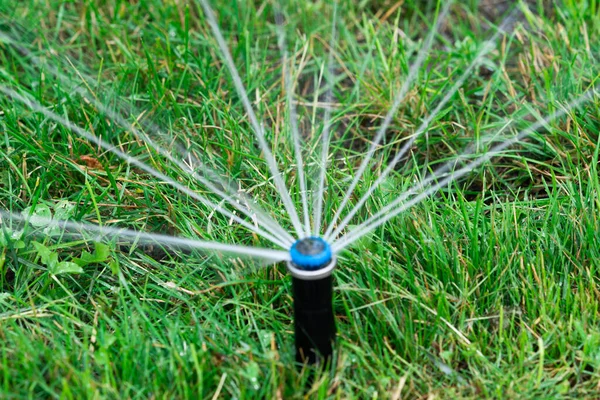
(311, 259)
(311, 264)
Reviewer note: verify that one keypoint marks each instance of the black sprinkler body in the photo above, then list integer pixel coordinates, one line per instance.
(314, 325)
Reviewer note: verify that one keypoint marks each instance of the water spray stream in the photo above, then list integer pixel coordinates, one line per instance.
(35, 106)
(258, 127)
(326, 133)
(414, 69)
(265, 219)
(293, 119)
(486, 48)
(398, 206)
(103, 233)
(268, 222)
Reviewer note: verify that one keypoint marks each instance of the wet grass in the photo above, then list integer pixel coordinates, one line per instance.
(489, 289)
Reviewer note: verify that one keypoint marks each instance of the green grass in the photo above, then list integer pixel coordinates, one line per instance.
(488, 289)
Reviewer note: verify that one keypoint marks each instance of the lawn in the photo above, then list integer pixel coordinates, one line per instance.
(487, 288)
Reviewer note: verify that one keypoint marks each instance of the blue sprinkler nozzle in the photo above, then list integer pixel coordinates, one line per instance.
(311, 253)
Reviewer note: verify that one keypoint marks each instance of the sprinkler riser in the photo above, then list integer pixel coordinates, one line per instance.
(314, 322)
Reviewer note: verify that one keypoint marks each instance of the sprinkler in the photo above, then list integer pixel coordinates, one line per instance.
(311, 264)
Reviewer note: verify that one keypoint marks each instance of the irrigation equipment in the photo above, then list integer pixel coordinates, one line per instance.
(311, 266)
